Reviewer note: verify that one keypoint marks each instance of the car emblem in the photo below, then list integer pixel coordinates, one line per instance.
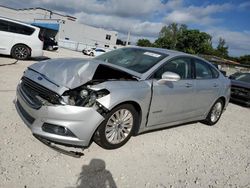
(39, 78)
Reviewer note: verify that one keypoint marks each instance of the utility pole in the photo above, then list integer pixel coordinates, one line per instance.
(128, 38)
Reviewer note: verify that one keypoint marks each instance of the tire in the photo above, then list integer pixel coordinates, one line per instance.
(20, 52)
(50, 48)
(91, 54)
(214, 113)
(114, 132)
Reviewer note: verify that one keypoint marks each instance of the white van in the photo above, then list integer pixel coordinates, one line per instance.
(19, 40)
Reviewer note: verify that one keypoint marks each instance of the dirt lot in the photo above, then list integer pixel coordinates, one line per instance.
(194, 155)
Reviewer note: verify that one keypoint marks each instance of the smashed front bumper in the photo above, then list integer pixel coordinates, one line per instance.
(81, 121)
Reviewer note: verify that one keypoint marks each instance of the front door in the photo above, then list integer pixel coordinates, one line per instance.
(173, 101)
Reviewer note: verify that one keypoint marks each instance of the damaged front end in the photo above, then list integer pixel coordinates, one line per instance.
(65, 109)
(85, 97)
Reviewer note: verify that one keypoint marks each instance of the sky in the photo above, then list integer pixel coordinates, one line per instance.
(145, 18)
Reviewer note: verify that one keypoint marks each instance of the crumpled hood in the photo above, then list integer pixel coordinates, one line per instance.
(67, 72)
(70, 72)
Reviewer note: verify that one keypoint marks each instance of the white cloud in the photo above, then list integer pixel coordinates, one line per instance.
(244, 5)
(136, 26)
(197, 15)
(139, 16)
(122, 8)
(238, 42)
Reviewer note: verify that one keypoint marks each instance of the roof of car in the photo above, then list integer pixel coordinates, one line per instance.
(18, 22)
(164, 51)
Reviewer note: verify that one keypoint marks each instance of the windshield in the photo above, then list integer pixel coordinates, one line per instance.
(136, 59)
(244, 77)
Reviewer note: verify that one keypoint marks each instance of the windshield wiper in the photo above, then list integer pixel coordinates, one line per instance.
(45, 77)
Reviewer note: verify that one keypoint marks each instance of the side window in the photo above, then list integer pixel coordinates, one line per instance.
(215, 72)
(202, 70)
(3, 25)
(20, 29)
(180, 66)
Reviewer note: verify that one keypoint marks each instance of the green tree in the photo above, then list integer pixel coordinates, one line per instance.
(168, 36)
(194, 42)
(222, 49)
(144, 43)
(179, 37)
(244, 59)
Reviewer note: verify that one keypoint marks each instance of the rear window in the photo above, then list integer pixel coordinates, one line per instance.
(99, 50)
(215, 72)
(15, 28)
(204, 70)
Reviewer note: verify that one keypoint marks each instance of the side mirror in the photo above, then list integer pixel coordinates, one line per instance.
(169, 77)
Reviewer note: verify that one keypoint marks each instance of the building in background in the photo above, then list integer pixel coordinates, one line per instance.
(67, 31)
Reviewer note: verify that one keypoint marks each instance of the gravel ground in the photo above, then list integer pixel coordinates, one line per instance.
(194, 155)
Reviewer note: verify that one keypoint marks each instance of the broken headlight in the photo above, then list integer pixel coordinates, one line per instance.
(83, 96)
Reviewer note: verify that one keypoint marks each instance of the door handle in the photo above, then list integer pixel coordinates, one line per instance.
(215, 85)
(188, 85)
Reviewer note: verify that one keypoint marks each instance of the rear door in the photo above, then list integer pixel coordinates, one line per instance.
(173, 101)
(207, 85)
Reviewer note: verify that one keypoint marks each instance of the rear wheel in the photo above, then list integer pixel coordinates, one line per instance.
(117, 128)
(20, 52)
(91, 54)
(214, 113)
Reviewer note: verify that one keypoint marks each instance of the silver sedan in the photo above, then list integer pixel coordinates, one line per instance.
(119, 94)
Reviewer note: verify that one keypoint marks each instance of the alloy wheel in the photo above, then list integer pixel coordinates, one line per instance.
(21, 52)
(119, 126)
(216, 112)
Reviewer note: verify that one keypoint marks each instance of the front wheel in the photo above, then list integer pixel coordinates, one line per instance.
(118, 127)
(214, 113)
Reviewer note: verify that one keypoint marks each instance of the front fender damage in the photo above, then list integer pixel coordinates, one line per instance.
(91, 93)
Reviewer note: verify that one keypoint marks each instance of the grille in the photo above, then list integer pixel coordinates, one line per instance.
(33, 89)
(240, 91)
(26, 116)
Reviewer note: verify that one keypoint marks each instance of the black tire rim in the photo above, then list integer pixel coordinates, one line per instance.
(21, 52)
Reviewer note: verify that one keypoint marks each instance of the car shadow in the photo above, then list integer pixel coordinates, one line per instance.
(95, 175)
(42, 58)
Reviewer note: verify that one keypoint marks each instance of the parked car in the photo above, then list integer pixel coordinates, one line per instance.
(50, 44)
(240, 88)
(88, 51)
(119, 94)
(19, 40)
(93, 51)
(98, 51)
